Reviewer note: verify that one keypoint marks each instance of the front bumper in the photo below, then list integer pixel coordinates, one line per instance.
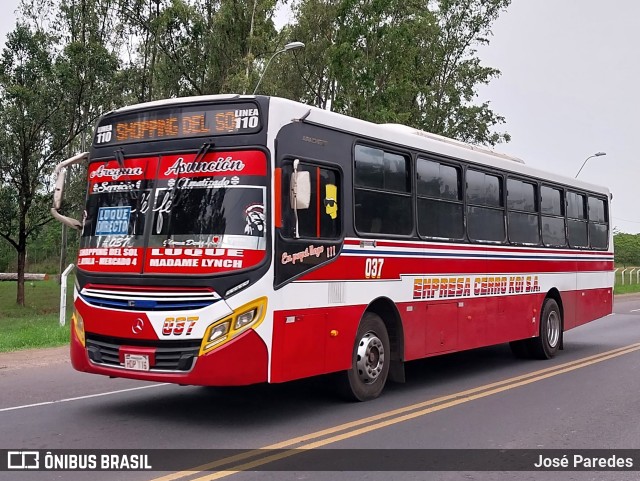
(242, 361)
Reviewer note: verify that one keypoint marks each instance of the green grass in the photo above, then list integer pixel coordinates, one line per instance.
(626, 289)
(631, 283)
(36, 324)
(38, 331)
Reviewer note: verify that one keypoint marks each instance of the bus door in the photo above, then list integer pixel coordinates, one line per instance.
(308, 237)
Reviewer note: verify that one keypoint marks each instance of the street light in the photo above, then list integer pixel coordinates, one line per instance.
(287, 47)
(597, 154)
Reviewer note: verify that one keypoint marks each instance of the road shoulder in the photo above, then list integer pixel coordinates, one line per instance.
(26, 358)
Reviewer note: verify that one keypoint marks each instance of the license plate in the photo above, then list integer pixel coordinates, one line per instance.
(137, 362)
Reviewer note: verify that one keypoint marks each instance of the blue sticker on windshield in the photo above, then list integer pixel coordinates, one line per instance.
(113, 221)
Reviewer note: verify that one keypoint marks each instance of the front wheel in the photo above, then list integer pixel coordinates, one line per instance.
(546, 345)
(370, 360)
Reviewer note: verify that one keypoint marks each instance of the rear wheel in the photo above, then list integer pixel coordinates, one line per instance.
(546, 345)
(370, 360)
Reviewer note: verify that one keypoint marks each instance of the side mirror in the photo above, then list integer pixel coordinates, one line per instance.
(300, 190)
(61, 173)
(59, 189)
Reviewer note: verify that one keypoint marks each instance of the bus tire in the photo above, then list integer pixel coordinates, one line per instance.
(546, 345)
(371, 358)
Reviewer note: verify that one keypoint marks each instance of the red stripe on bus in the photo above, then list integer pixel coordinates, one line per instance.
(277, 191)
(477, 247)
(318, 201)
(348, 268)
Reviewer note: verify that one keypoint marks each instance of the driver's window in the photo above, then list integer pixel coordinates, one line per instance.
(322, 220)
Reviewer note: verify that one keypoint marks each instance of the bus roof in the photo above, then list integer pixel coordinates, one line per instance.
(414, 138)
(179, 101)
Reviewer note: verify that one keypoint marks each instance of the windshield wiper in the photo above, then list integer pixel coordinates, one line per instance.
(175, 193)
(119, 156)
(204, 149)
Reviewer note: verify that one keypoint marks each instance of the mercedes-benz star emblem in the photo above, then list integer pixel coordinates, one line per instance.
(137, 326)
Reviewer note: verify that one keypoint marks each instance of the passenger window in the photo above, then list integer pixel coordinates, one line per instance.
(382, 193)
(577, 228)
(440, 209)
(485, 207)
(598, 223)
(379, 169)
(523, 221)
(552, 218)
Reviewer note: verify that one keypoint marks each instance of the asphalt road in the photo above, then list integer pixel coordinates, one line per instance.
(585, 398)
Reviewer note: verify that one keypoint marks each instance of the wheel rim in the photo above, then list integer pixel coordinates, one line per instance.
(553, 328)
(369, 358)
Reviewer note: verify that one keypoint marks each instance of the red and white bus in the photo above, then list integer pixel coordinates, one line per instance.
(232, 240)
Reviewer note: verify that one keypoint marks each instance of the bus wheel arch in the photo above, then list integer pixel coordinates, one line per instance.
(555, 295)
(549, 339)
(377, 346)
(388, 312)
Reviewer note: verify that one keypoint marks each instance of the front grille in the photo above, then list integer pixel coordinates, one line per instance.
(137, 299)
(169, 355)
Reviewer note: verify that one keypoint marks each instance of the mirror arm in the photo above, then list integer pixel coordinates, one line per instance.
(60, 173)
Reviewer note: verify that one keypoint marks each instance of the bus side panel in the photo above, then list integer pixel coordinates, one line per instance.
(590, 299)
(429, 328)
(437, 327)
(442, 327)
(472, 323)
(309, 342)
(517, 318)
(593, 304)
(570, 303)
(414, 323)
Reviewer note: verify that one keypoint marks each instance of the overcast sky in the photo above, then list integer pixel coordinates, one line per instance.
(569, 88)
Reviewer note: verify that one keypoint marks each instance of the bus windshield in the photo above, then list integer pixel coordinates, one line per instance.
(176, 214)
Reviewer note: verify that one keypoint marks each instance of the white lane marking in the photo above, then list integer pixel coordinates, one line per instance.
(14, 408)
(634, 310)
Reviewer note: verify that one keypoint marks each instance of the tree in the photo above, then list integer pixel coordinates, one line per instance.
(197, 47)
(627, 249)
(53, 85)
(28, 106)
(90, 37)
(305, 75)
(447, 106)
(399, 61)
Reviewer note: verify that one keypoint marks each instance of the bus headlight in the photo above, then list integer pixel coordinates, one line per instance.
(248, 316)
(78, 326)
(245, 319)
(217, 332)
